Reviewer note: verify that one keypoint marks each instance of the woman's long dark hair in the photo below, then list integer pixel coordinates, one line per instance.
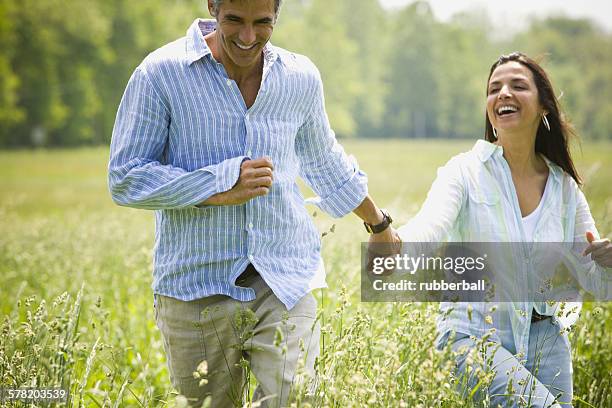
(552, 144)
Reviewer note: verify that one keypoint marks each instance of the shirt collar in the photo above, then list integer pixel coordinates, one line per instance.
(484, 150)
(197, 48)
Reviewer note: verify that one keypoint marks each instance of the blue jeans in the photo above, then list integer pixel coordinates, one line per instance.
(542, 379)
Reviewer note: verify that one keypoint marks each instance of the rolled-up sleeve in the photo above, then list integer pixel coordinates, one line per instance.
(137, 176)
(336, 178)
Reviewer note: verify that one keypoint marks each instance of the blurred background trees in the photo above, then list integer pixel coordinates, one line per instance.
(64, 65)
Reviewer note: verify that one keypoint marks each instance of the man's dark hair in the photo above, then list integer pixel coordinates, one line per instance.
(217, 3)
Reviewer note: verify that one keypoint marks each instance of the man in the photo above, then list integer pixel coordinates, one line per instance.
(212, 131)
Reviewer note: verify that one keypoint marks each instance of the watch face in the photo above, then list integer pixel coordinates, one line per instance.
(387, 216)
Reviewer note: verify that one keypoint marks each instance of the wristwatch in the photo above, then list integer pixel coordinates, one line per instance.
(375, 229)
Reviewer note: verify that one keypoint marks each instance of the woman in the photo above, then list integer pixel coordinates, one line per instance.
(520, 185)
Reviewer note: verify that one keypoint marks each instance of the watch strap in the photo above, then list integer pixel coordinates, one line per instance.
(375, 229)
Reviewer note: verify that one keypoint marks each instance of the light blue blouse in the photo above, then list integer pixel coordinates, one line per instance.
(473, 199)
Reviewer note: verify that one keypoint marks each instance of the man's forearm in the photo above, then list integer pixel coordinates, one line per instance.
(369, 212)
(384, 242)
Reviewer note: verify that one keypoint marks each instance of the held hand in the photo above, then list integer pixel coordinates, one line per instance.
(383, 245)
(600, 250)
(255, 180)
(389, 236)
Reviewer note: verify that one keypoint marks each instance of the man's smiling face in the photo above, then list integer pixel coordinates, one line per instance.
(243, 29)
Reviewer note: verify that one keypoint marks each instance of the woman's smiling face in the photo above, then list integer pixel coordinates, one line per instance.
(512, 99)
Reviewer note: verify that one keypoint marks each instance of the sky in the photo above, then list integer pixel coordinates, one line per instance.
(514, 12)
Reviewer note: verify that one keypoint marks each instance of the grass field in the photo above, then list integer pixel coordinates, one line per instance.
(77, 304)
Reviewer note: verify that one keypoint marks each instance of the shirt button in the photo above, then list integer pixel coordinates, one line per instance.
(251, 257)
(228, 82)
(249, 153)
(250, 225)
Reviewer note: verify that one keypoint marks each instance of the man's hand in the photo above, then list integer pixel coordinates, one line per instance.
(388, 236)
(255, 180)
(600, 250)
(382, 245)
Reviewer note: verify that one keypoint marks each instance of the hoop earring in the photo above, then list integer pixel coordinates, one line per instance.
(545, 121)
(494, 132)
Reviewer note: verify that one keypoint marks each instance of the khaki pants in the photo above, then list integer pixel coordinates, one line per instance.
(232, 335)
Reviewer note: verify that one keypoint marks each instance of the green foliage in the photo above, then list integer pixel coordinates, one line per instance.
(464, 50)
(318, 25)
(412, 105)
(579, 57)
(587, 339)
(365, 21)
(64, 65)
(10, 113)
(54, 58)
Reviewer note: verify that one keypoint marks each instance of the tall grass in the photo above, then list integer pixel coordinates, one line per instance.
(78, 310)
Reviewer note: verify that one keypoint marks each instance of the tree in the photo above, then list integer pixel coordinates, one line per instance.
(412, 105)
(320, 34)
(10, 112)
(578, 56)
(366, 25)
(465, 55)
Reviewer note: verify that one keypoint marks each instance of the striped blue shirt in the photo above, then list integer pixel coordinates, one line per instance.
(181, 133)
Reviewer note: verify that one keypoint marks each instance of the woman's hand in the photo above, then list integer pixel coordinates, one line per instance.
(600, 250)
